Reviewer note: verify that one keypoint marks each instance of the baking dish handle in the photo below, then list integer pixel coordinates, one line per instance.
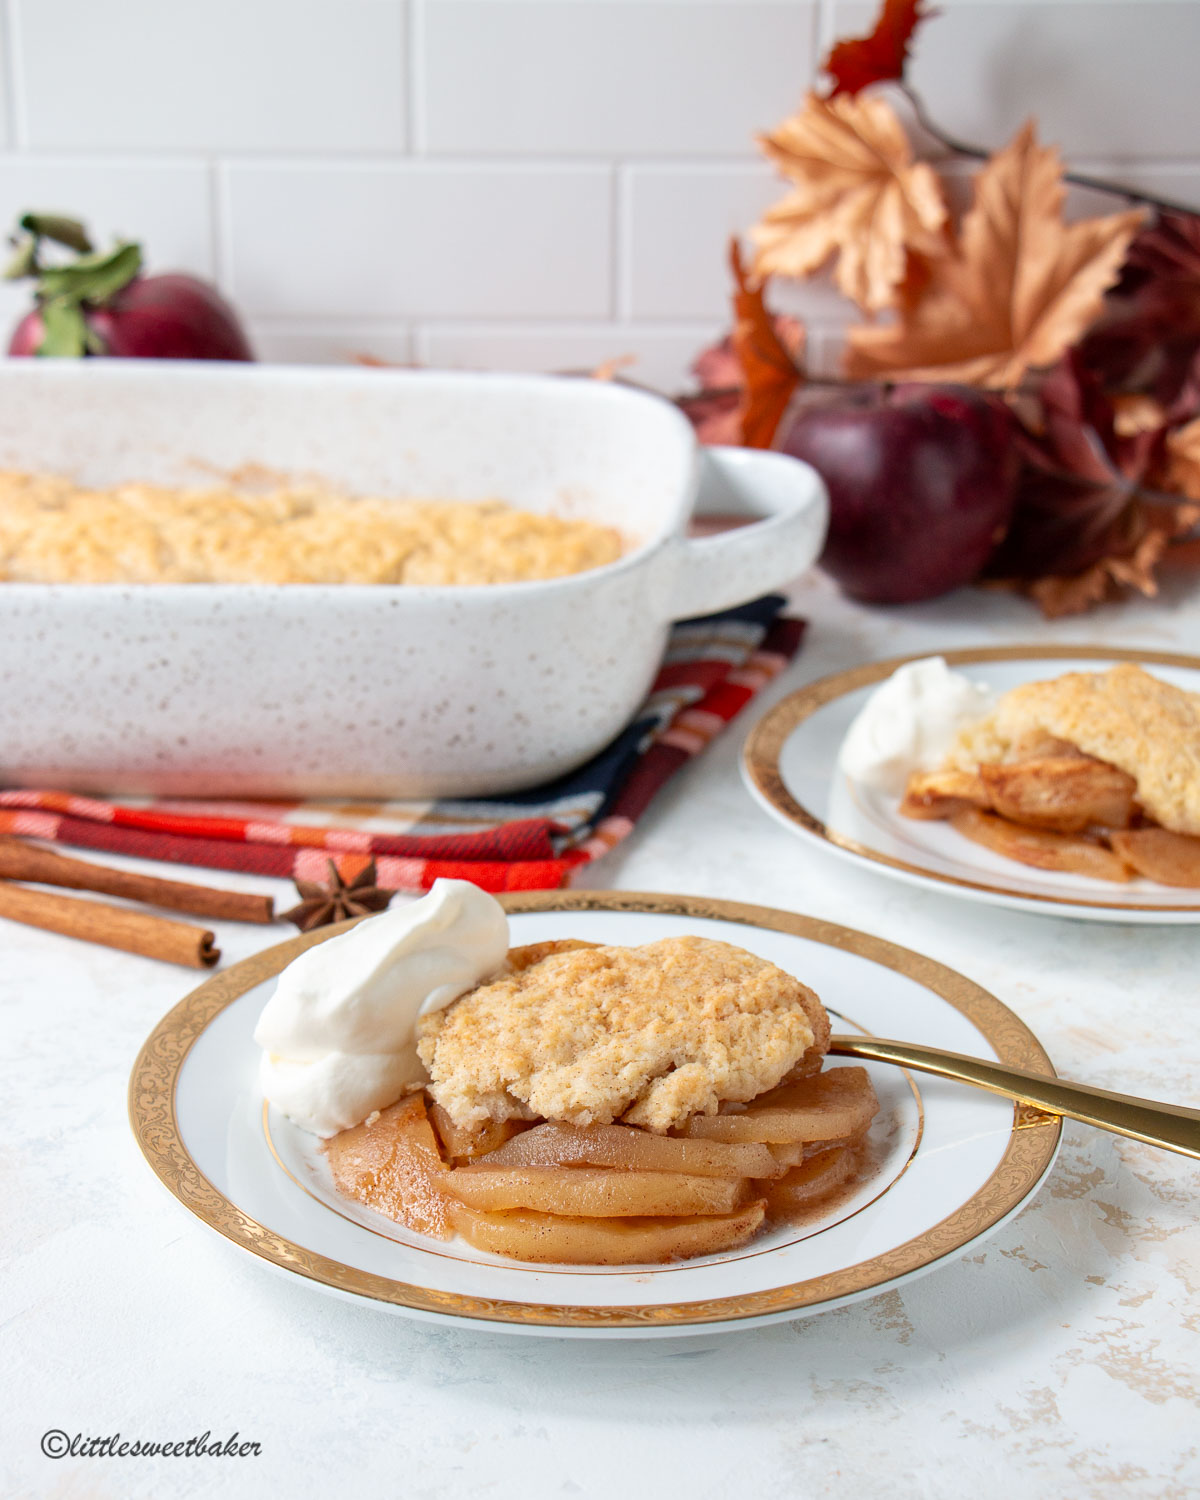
(791, 502)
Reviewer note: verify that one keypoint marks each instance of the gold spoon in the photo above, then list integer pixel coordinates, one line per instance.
(1171, 1126)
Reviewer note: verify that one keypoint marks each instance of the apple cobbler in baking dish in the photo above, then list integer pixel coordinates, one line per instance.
(610, 1106)
(1092, 772)
(55, 531)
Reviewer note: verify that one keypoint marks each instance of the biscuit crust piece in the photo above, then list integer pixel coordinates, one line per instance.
(651, 1035)
(1146, 727)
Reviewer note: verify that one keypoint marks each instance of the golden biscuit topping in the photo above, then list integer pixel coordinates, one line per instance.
(54, 531)
(651, 1035)
(1125, 716)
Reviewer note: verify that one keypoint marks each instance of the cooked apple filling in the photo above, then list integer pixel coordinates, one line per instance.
(546, 1134)
(1093, 773)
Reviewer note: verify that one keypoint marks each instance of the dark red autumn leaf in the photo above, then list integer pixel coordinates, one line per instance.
(855, 63)
(1148, 337)
(1087, 521)
(1169, 248)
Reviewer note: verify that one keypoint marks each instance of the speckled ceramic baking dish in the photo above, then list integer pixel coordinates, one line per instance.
(299, 689)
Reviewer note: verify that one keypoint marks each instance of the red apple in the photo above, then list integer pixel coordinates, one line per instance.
(921, 479)
(100, 303)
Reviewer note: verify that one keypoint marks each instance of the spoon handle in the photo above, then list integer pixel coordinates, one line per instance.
(1171, 1126)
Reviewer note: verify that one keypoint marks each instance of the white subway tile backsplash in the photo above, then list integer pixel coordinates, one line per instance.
(5, 96)
(542, 184)
(417, 240)
(331, 343)
(162, 204)
(213, 74)
(585, 77)
(1112, 79)
(679, 220)
(662, 357)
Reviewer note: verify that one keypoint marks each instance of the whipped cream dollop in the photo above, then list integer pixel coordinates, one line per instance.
(339, 1034)
(910, 722)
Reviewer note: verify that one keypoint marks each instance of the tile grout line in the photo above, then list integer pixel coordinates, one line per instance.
(221, 207)
(620, 248)
(414, 32)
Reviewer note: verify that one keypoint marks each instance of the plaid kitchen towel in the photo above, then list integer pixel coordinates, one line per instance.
(524, 841)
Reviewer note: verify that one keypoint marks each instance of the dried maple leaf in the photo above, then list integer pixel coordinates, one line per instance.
(771, 371)
(1058, 595)
(1169, 248)
(1181, 470)
(1087, 523)
(1148, 338)
(610, 369)
(858, 195)
(855, 63)
(715, 410)
(1020, 288)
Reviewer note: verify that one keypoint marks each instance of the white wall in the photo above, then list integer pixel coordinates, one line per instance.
(526, 183)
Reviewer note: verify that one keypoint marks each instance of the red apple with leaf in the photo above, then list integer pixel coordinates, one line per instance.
(100, 303)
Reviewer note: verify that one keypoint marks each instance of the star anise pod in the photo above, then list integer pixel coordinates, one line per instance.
(337, 900)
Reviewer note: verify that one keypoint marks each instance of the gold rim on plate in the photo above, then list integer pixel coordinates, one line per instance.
(764, 748)
(1028, 1154)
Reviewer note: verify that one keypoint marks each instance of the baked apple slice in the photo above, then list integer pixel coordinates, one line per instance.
(391, 1163)
(1065, 794)
(605, 1242)
(461, 1142)
(1040, 847)
(939, 794)
(554, 1144)
(1158, 854)
(812, 1180)
(592, 1192)
(826, 1107)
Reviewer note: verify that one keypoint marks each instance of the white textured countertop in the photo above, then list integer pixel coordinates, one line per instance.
(1060, 1359)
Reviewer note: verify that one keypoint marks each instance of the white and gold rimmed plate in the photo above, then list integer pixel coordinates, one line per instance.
(951, 1163)
(790, 764)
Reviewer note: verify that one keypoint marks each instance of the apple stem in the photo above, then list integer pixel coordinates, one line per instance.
(1078, 179)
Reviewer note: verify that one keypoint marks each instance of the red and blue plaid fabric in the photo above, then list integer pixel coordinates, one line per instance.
(526, 841)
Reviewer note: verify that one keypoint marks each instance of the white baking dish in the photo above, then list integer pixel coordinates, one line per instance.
(299, 689)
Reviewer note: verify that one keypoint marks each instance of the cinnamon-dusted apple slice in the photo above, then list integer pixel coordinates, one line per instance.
(555, 1144)
(391, 1163)
(1041, 848)
(1158, 854)
(465, 1142)
(605, 1242)
(1062, 793)
(812, 1180)
(592, 1192)
(826, 1107)
(939, 794)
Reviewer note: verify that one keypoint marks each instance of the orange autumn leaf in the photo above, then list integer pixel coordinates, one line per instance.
(857, 195)
(880, 57)
(770, 371)
(1020, 287)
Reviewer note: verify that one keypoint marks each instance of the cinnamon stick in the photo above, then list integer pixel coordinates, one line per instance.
(22, 861)
(114, 926)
